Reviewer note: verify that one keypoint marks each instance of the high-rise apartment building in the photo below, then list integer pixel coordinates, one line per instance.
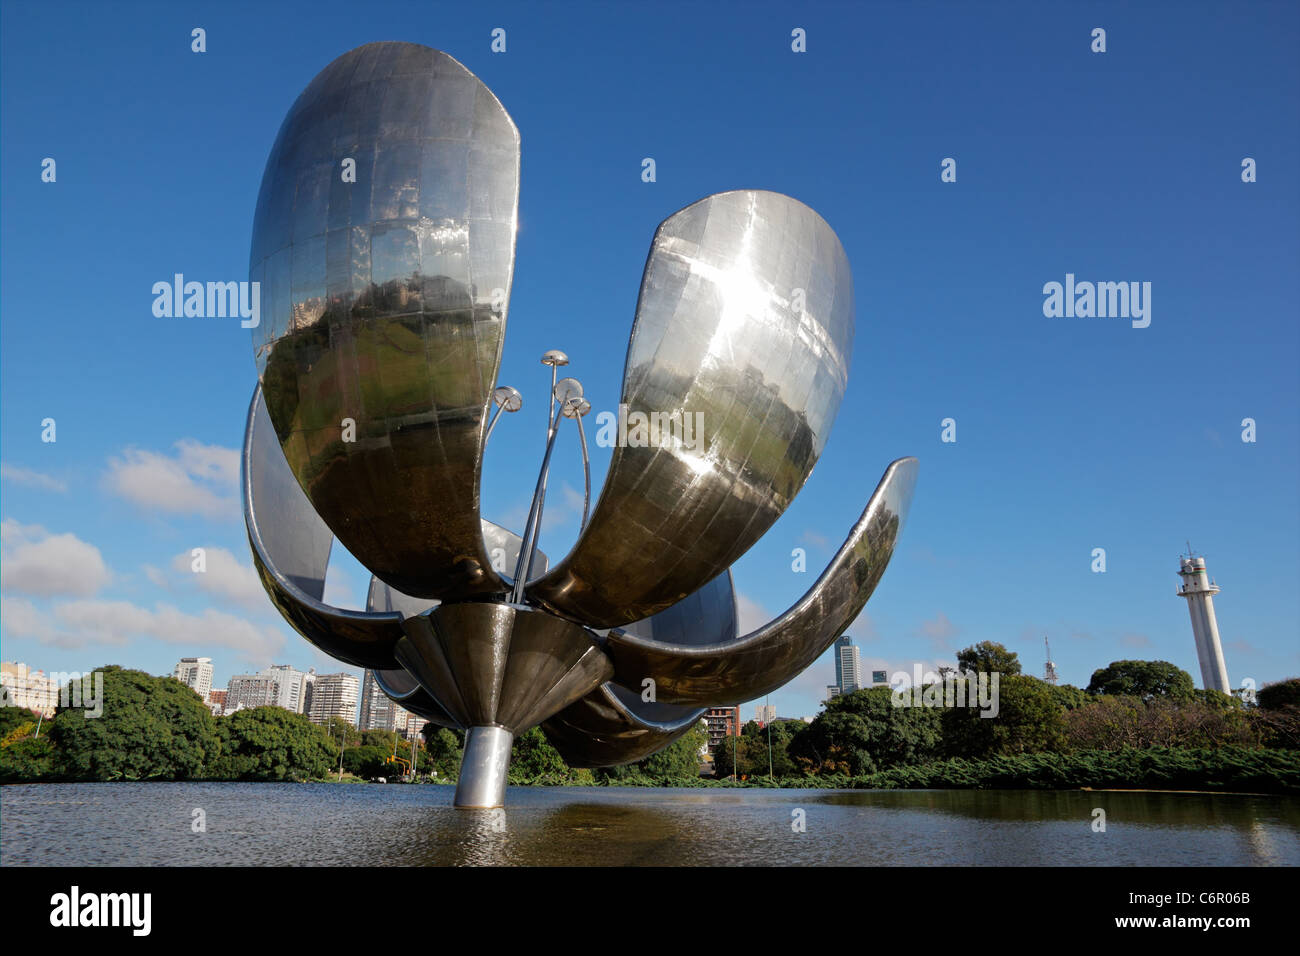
(848, 666)
(292, 685)
(378, 710)
(32, 690)
(334, 695)
(721, 721)
(196, 673)
(251, 690)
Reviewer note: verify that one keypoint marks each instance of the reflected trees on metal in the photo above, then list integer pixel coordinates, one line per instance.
(385, 301)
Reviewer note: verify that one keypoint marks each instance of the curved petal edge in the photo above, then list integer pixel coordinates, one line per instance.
(759, 662)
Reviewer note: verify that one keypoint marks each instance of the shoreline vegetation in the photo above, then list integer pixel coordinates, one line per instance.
(1139, 726)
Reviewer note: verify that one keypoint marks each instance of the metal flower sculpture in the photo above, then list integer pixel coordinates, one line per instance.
(385, 295)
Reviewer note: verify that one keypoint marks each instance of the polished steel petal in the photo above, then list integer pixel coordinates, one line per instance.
(605, 730)
(739, 358)
(615, 724)
(378, 305)
(291, 547)
(502, 547)
(488, 663)
(401, 687)
(763, 660)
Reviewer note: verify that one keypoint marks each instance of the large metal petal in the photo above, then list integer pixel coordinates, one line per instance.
(384, 305)
(744, 329)
(503, 546)
(604, 729)
(765, 659)
(291, 548)
(615, 725)
(401, 687)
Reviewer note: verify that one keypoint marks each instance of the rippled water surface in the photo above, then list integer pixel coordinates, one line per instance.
(147, 824)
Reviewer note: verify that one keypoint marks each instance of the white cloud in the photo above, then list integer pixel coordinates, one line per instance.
(156, 577)
(22, 619)
(226, 577)
(32, 479)
(35, 562)
(83, 623)
(200, 479)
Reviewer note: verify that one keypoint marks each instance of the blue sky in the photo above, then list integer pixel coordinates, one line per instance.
(1072, 433)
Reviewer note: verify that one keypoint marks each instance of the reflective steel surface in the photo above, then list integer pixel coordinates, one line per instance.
(616, 725)
(384, 244)
(500, 664)
(378, 305)
(744, 327)
(765, 659)
(291, 547)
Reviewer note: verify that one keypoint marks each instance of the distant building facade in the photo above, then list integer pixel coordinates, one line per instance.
(334, 695)
(292, 686)
(217, 701)
(378, 710)
(848, 665)
(251, 690)
(765, 714)
(722, 721)
(33, 690)
(195, 673)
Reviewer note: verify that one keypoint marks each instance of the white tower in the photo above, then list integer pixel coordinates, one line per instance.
(1199, 591)
(1049, 671)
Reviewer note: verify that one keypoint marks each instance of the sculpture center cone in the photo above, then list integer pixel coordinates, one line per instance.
(498, 669)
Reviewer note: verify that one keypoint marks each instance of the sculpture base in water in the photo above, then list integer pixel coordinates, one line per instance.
(484, 768)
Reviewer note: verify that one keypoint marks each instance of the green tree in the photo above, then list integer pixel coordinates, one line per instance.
(1145, 679)
(150, 728)
(723, 763)
(678, 764)
(441, 752)
(27, 760)
(988, 657)
(534, 761)
(1069, 696)
(1027, 719)
(380, 738)
(860, 732)
(370, 761)
(17, 719)
(271, 743)
(1279, 694)
(336, 728)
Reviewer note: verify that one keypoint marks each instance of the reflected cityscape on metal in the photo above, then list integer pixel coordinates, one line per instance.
(386, 295)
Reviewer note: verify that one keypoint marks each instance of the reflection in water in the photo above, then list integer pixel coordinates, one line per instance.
(331, 825)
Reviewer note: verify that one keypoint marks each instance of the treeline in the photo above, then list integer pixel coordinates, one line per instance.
(156, 728)
(1138, 724)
